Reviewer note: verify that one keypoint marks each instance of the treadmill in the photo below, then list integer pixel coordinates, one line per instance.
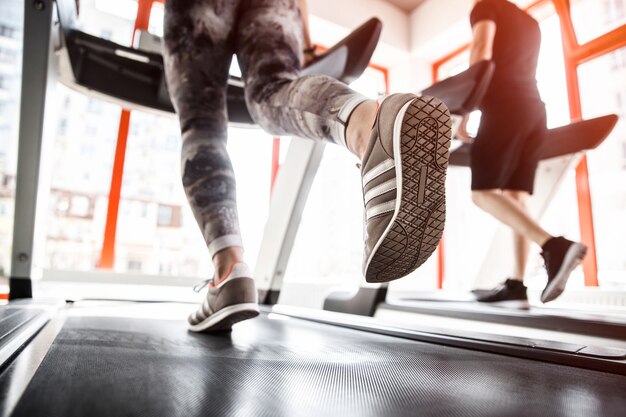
(560, 152)
(113, 357)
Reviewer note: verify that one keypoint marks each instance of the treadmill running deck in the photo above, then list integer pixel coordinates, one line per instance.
(279, 366)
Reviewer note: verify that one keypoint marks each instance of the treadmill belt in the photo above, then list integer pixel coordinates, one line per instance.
(272, 366)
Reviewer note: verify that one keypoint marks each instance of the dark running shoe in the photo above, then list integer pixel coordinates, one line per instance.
(561, 256)
(511, 293)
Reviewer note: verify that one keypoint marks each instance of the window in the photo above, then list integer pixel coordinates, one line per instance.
(599, 80)
(618, 60)
(152, 174)
(166, 269)
(106, 34)
(94, 106)
(81, 167)
(112, 18)
(62, 129)
(165, 215)
(80, 206)
(593, 18)
(123, 9)
(62, 204)
(156, 19)
(133, 265)
(91, 131)
(7, 31)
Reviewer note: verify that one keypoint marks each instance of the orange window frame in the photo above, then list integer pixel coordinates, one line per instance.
(107, 253)
(575, 54)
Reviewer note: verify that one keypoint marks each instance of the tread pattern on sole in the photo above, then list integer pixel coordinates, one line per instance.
(417, 229)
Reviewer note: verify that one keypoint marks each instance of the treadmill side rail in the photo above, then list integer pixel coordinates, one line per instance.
(581, 356)
(565, 140)
(37, 83)
(291, 191)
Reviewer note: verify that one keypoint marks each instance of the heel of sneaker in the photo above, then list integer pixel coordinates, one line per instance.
(573, 258)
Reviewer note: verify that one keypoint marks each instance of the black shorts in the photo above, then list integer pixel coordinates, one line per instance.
(506, 151)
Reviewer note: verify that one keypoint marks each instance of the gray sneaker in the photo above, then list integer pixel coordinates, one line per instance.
(403, 175)
(228, 301)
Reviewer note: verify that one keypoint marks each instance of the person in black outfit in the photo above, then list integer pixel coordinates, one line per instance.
(505, 152)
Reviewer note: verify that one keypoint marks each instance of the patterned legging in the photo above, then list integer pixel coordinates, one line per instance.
(200, 38)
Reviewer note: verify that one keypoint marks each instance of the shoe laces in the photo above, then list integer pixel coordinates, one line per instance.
(199, 286)
(205, 282)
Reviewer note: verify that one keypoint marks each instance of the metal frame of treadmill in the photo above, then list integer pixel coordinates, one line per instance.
(291, 191)
(588, 324)
(37, 83)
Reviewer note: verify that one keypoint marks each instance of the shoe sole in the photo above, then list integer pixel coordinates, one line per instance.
(421, 148)
(225, 318)
(573, 257)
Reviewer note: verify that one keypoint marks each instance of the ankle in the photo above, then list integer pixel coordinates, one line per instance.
(224, 260)
(360, 126)
(543, 240)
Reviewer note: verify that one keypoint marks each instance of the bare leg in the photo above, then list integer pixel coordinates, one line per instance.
(508, 211)
(360, 127)
(224, 259)
(521, 245)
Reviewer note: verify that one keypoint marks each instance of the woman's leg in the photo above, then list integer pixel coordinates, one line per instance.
(269, 45)
(197, 52)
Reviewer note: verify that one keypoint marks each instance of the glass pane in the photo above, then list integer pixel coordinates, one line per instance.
(157, 14)
(157, 232)
(113, 20)
(11, 18)
(81, 156)
(603, 91)
(80, 160)
(593, 18)
(551, 71)
(454, 66)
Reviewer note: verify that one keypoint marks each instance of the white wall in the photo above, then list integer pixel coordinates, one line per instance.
(437, 27)
(351, 13)
(410, 43)
(331, 20)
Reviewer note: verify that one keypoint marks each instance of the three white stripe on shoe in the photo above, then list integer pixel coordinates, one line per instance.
(378, 170)
(380, 189)
(202, 313)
